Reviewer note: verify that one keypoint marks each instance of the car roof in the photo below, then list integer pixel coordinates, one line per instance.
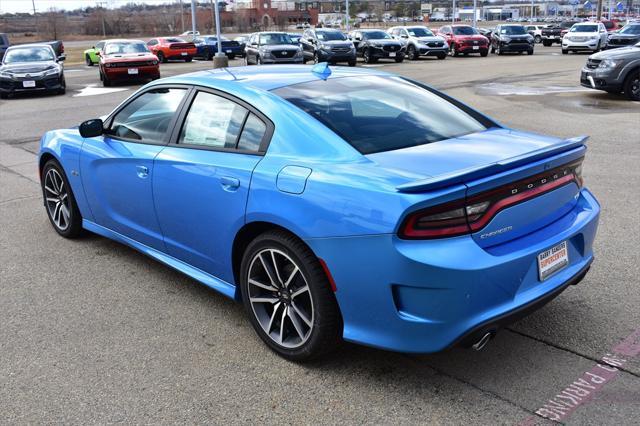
(264, 78)
(17, 46)
(122, 40)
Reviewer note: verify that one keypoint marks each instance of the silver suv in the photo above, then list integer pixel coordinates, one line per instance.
(420, 41)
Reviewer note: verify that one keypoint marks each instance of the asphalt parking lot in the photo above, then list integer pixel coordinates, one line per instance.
(94, 332)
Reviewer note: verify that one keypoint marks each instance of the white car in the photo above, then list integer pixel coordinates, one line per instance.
(535, 31)
(589, 36)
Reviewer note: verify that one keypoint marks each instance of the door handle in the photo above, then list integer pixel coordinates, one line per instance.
(229, 183)
(142, 171)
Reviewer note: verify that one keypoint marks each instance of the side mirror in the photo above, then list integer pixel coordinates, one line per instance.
(91, 128)
(404, 36)
(61, 58)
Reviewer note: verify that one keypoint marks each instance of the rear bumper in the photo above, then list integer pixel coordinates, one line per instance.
(180, 54)
(425, 296)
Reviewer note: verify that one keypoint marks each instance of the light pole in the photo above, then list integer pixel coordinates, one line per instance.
(347, 13)
(453, 13)
(475, 14)
(193, 18)
(531, 12)
(220, 60)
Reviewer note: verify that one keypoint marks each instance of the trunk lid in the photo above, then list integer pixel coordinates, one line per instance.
(496, 158)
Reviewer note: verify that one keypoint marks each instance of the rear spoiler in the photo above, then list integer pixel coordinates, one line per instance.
(472, 173)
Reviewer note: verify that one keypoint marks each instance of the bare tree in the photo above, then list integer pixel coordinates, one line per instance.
(54, 24)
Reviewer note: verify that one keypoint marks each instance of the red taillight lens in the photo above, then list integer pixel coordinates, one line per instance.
(474, 213)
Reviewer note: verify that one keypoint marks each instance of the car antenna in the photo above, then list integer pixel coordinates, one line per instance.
(322, 70)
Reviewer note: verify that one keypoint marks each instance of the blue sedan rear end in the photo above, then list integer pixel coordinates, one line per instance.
(335, 204)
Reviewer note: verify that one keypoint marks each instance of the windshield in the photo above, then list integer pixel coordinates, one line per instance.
(174, 40)
(584, 29)
(124, 48)
(513, 30)
(631, 29)
(375, 35)
(464, 31)
(295, 38)
(420, 32)
(375, 113)
(330, 35)
(28, 54)
(275, 38)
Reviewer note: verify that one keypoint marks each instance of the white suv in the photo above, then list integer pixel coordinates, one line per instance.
(590, 36)
(420, 41)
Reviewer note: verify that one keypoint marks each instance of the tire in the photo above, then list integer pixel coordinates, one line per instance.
(353, 63)
(188, 59)
(4, 96)
(565, 51)
(546, 43)
(258, 60)
(499, 51)
(88, 61)
(493, 49)
(537, 39)
(59, 201)
(484, 53)
(246, 61)
(161, 57)
(296, 331)
(530, 52)
(453, 51)
(232, 57)
(412, 53)
(105, 81)
(366, 55)
(442, 56)
(399, 59)
(316, 58)
(63, 87)
(631, 86)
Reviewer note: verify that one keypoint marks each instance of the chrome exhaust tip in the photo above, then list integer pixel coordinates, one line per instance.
(482, 342)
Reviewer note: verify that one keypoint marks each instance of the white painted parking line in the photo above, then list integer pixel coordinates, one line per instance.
(92, 90)
(74, 70)
(502, 89)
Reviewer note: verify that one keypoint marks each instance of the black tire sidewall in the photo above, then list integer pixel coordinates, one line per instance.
(327, 327)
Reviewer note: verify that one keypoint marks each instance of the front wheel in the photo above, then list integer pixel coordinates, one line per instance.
(453, 51)
(288, 297)
(161, 57)
(537, 39)
(412, 53)
(530, 52)
(352, 63)
(399, 59)
(631, 86)
(59, 201)
(565, 51)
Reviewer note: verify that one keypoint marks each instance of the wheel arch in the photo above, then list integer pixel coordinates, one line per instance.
(243, 238)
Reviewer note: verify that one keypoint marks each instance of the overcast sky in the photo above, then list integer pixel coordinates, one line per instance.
(13, 6)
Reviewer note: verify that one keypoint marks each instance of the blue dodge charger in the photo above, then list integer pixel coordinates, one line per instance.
(335, 204)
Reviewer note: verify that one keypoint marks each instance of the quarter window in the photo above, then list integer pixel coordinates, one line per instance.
(252, 134)
(147, 117)
(212, 121)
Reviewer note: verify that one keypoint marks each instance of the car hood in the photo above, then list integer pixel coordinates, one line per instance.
(129, 56)
(462, 153)
(624, 36)
(478, 37)
(27, 67)
(621, 52)
(427, 39)
(386, 42)
(280, 47)
(577, 34)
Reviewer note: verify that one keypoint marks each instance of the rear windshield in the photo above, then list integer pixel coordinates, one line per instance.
(464, 31)
(174, 40)
(375, 114)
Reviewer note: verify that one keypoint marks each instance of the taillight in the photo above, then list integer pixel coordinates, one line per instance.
(474, 213)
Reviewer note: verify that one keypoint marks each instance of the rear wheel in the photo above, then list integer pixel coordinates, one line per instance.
(537, 39)
(88, 61)
(161, 57)
(59, 201)
(288, 297)
(632, 85)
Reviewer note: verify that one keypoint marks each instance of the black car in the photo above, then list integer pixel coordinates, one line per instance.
(511, 38)
(628, 36)
(377, 44)
(31, 67)
(327, 45)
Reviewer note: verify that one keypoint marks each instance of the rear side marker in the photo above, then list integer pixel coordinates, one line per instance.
(332, 283)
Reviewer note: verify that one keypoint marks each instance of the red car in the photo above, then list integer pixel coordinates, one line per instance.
(166, 48)
(464, 39)
(127, 60)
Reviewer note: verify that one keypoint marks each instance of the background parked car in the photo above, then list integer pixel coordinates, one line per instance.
(486, 32)
(511, 38)
(554, 33)
(327, 45)
(242, 42)
(166, 48)
(4, 44)
(207, 46)
(627, 36)
(272, 48)
(92, 56)
(123, 60)
(589, 36)
(535, 31)
(373, 45)
(464, 39)
(295, 37)
(421, 41)
(614, 71)
(29, 68)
